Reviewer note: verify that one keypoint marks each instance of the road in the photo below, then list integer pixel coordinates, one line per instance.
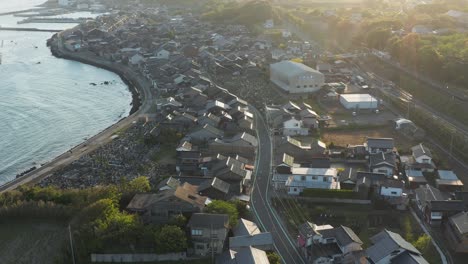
(265, 214)
(98, 140)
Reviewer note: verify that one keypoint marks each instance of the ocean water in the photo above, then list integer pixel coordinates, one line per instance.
(47, 105)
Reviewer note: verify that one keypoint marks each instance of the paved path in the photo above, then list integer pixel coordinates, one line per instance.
(442, 256)
(265, 214)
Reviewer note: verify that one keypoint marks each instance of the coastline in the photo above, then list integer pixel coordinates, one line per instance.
(141, 103)
(106, 65)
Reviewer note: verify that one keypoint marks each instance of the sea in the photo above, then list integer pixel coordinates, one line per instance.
(49, 105)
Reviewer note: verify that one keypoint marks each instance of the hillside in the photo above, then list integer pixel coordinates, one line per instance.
(247, 13)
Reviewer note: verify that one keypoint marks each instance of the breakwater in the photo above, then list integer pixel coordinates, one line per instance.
(28, 29)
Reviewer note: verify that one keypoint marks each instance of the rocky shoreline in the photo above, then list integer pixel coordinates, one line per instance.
(132, 86)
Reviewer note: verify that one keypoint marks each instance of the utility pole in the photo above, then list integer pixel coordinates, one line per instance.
(211, 243)
(451, 144)
(71, 243)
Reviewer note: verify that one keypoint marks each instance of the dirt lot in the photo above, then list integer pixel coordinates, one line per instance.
(26, 241)
(358, 136)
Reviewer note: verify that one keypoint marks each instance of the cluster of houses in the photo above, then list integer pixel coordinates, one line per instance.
(325, 244)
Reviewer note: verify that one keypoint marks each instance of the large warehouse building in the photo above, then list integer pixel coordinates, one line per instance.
(359, 101)
(295, 77)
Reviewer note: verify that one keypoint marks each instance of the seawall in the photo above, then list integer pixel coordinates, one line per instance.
(128, 78)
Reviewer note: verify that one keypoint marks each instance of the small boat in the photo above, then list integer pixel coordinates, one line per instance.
(38, 62)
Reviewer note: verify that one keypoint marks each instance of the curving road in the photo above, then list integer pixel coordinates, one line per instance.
(265, 214)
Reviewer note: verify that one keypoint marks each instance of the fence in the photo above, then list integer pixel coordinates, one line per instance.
(137, 257)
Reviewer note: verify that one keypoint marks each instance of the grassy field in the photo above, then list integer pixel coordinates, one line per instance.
(356, 137)
(29, 241)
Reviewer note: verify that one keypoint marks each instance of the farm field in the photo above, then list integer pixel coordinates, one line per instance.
(31, 241)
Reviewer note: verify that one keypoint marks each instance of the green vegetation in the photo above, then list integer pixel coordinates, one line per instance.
(273, 257)
(324, 193)
(223, 207)
(248, 13)
(98, 224)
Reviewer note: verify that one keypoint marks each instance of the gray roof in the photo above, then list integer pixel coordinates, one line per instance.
(244, 255)
(446, 206)
(380, 158)
(246, 137)
(428, 193)
(385, 243)
(170, 182)
(409, 258)
(215, 183)
(257, 240)
(343, 235)
(292, 68)
(460, 221)
(246, 227)
(387, 143)
(216, 221)
(420, 150)
(307, 229)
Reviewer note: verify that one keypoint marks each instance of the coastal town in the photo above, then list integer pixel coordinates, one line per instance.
(250, 145)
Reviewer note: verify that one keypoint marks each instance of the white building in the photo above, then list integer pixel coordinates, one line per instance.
(358, 101)
(294, 127)
(308, 178)
(295, 77)
(392, 188)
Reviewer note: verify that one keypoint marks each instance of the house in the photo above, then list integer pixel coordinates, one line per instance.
(456, 232)
(327, 243)
(307, 178)
(209, 119)
(208, 232)
(435, 206)
(214, 188)
(448, 181)
(247, 234)
(168, 184)
(160, 207)
(424, 195)
(205, 133)
(415, 178)
(303, 152)
(421, 159)
(388, 247)
(231, 170)
(391, 188)
(244, 255)
(421, 154)
(376, 145)
(162, 54)
(294, 127)
(136, 59)
(383, 162)
(188, 161)
(240, 143)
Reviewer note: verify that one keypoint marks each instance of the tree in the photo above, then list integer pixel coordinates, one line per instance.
(139, 185)
(178, 220)
(170, 239)
(223, 207)
(273, 258)
(422, 244)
